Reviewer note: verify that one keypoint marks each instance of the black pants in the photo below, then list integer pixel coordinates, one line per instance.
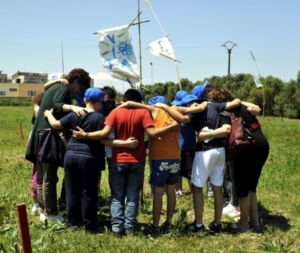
(81, 179)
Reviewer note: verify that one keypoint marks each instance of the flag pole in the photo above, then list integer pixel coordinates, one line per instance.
(175, 62)
(263, 89)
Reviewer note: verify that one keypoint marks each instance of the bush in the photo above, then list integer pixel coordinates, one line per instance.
(15, 101)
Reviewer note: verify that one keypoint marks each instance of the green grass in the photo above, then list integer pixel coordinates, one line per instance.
(278, 193)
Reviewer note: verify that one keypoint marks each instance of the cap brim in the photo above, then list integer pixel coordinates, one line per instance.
(175, 102)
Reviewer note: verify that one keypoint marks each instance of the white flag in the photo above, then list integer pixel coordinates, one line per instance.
(257, 81)
(162, 47)
(117, 53)
(147, 2)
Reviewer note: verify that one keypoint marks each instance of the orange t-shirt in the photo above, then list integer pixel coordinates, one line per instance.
(167, 146)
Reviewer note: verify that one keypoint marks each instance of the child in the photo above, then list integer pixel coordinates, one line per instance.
(36, 101)
(127, 172)
(82, 162)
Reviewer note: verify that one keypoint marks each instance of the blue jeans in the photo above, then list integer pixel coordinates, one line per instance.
(125, 180)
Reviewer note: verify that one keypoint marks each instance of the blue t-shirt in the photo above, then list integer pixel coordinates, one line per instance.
(90, 122)
(187, 137)
(208, 118)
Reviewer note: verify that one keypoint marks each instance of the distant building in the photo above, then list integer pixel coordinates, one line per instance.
(3, 77)
(25, 84)
(27, 77)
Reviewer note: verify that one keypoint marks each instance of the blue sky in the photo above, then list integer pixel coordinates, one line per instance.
(32, 32)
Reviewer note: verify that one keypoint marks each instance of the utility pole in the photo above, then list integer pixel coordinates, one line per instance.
(140, 47)
(151, 73)
(229, 53)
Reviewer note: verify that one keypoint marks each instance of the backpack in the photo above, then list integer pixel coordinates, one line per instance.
(239, 138)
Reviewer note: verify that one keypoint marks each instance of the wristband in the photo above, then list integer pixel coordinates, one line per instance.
(209, 135)
(86, 135)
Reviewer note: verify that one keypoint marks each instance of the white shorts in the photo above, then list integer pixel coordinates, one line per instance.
(210, 164)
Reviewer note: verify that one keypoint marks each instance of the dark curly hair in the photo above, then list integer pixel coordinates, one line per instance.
(37, 99)
(80, 76)
(220, 94)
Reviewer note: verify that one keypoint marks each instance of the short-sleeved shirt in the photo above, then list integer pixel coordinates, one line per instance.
(166, 146)
(90, 122)
(187, 137)
(129, 122)
(208, 118)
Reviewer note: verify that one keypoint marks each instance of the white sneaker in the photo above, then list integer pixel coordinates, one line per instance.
(35, 210)
(52, 218)
(230, 210)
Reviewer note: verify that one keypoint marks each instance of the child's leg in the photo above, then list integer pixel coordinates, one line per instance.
(178, 186)
(244, 207)
(198, 204)
(34, 184)
(253, 210)
(218, 203)
(171, 202)
(157, 204)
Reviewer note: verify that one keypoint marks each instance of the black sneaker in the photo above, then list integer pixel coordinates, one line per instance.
(194, 229)
(215, 228)
(153, 231)
(166, 227)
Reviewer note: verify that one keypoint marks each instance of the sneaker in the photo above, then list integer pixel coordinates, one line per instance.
(216, 228)
(52, 218)
(35, 210)
(194, 229)
(179, 194)
(235, 213)
(153, 231)
(166, 227)
(229, 209)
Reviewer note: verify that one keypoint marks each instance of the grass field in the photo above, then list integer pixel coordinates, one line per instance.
(278, 193)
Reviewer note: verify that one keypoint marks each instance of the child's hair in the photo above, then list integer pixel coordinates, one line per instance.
(109, 91)
(80, 76)
(37, 99)
(132, 95)
(220, 94)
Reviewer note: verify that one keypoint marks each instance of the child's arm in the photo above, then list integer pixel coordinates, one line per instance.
(131, 104)
(157, 132)
(234, 103)
(193, 109)
(55, 124)
(129, 143)
(50, 83)
(97, 135)
(220, 132)
(174, 113)
(252, 108)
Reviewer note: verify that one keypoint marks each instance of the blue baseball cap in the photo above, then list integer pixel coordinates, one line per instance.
(198, 90)
(191, 98)
(157, 99)
(178, 96)
(94, 94)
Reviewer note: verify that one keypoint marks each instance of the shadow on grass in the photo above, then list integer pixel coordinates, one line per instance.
(275, 220)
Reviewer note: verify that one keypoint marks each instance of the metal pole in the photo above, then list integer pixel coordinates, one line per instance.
(229, 53)
(151, 73)
(140, 47)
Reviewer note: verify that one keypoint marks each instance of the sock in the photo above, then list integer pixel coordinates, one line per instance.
(199, 225)
(36, 204)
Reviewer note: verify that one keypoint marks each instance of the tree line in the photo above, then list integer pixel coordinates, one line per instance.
(282, 99)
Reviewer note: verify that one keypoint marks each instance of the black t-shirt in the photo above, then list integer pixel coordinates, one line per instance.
(208, 118)
(90, 122)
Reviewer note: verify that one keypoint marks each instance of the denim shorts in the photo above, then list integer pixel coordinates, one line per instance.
(164, 172)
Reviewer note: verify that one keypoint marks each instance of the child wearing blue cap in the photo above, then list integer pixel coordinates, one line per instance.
(82, 162)
(127, 172)
(209, 156)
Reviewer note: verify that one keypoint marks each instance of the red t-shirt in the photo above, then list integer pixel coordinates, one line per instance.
(129, 122)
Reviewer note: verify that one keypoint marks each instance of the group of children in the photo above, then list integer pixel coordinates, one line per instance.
(173, 152)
